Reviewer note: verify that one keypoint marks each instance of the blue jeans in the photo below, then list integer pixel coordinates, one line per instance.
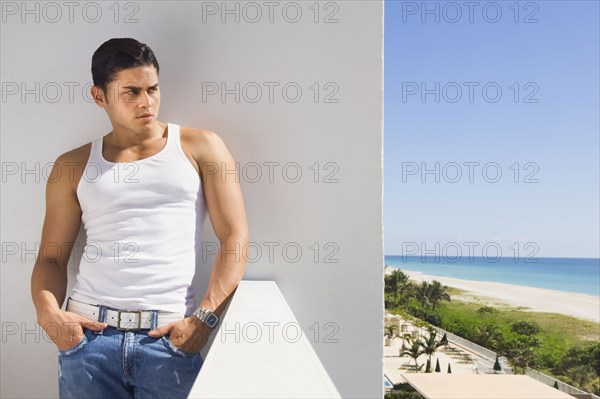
(126, 364)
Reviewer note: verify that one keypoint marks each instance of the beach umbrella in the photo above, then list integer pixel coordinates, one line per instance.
(428, 367)
(449, 369)
(437, 366)
(556, 384)
(497, 365)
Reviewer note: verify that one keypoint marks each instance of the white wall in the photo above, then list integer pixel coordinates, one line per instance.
(194, 47)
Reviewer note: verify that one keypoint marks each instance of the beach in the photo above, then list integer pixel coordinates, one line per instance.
(583, 306)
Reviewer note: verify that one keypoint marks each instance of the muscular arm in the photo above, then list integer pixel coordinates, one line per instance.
(61, 225)
(227, 214)
(49, 276)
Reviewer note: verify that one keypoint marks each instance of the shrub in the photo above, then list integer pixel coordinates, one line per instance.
(404, 391)
(487, 309)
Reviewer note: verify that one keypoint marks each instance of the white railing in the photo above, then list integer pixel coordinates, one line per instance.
(251, 357)
(472, 346)
(562, 386)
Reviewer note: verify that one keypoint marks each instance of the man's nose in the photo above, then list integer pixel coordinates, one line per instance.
(145, 100)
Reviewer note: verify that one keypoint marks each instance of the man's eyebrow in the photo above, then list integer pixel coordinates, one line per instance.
(154, 86)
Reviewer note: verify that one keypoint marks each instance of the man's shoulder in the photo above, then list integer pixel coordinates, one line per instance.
(69, 165)
(198, 136)
(77, 156)
(202, 143)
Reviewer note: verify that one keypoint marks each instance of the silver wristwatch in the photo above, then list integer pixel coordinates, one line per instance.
(207, 316)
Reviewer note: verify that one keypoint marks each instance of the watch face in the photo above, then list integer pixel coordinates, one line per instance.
(211, 320)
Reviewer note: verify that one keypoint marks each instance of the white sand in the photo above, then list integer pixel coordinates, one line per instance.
(582, 306)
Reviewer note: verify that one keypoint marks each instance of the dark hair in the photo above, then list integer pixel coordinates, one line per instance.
(117, 54)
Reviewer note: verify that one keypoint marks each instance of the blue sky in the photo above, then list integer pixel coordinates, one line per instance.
(540, 131)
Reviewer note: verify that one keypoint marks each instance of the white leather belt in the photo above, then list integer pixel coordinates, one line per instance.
(128, 320)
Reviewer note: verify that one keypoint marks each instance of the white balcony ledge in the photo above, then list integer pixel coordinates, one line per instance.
(260, 351)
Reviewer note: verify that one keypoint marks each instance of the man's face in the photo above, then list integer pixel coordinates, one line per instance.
(133, 93)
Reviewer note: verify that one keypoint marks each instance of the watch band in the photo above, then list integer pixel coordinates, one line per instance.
(207, 316)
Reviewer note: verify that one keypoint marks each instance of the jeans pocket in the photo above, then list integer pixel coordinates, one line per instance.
(75, 348)
(167, 342)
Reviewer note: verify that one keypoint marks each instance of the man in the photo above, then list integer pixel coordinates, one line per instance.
(131, 327)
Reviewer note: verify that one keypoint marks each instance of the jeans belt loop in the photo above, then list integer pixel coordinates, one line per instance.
(153, 320)
(101, 317)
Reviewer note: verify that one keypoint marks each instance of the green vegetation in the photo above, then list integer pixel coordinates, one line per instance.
(562, 346)
(430, 345)
(397, 289)
(403, 391)
(414, 349)
(557, 333)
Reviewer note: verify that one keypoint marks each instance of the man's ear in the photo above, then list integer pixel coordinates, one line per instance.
(98, 96)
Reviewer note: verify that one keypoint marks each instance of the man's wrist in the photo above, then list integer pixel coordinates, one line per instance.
(207, 316)
(209, 303)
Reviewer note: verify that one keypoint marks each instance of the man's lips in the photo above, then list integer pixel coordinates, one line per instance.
(144, 115)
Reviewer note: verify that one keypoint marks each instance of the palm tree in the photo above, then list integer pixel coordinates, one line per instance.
(390, 300)
(413, 350)
(519, 353)
(390, 289)
(488, 335)
(438, 293)
(430, 344)
(583, 377)
(423, 293)
(397, 288)
(390, 281)
(404, 286)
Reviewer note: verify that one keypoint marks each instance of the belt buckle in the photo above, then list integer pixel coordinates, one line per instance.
(139, 324)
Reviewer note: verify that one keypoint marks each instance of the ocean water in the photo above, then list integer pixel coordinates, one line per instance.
(580, 275)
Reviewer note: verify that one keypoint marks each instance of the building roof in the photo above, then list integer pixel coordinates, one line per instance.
(481, 386)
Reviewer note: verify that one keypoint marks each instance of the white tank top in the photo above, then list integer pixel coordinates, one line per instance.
(143, 221)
